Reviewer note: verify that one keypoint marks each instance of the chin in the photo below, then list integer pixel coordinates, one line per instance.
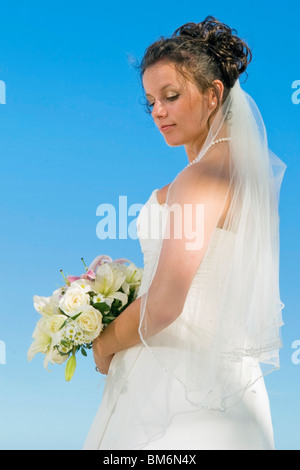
(173, 143)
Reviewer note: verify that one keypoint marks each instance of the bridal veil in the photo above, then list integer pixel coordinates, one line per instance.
(237, 317)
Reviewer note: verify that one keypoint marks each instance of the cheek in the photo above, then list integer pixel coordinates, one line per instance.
(198, 120)
(193, 122)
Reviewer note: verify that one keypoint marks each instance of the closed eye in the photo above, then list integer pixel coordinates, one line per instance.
(169, 98)
(172, 98)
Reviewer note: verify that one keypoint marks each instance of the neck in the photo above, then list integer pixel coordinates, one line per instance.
(192, 150)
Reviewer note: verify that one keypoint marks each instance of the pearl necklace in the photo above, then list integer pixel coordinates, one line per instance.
(224, 139)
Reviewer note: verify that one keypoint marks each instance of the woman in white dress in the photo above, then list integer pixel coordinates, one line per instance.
(185, 361)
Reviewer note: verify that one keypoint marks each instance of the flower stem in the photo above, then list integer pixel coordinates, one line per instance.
(66, 280)
(86, 268)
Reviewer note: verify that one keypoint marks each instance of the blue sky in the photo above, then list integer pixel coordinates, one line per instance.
(74, 135)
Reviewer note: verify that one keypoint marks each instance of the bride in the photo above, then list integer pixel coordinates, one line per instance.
(185, 362)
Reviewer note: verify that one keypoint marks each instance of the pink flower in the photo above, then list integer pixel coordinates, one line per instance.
(91, 273)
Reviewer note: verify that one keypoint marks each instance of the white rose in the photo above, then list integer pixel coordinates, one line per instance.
(90, 321)
(85, 284)
(55, 322)
(76, 295)
(54, 357)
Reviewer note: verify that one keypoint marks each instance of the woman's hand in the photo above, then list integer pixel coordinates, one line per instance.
(102, 362)
(120, 334)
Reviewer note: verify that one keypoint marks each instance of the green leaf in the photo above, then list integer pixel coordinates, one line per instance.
(102, 307)
(92, 293)
(76, 316)
(107, 319)
(62, 312)
(117, 303)
(66, 343)
(83, 352)
(63, 325)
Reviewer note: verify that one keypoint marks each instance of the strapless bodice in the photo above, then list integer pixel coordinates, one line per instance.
(150, 229)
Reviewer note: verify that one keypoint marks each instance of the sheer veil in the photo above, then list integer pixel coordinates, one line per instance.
(234, 317)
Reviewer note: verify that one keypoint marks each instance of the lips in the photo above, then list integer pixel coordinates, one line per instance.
(164, 127)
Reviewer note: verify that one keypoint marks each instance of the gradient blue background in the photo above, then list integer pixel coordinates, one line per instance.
(74, 135)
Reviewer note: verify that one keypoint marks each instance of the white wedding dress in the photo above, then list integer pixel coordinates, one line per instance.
(117, 426)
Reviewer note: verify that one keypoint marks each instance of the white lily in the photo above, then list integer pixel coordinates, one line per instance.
(133, 277)
(108, 281)
(42, 339)
(46, 306)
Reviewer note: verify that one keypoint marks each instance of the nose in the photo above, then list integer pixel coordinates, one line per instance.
(158, 110)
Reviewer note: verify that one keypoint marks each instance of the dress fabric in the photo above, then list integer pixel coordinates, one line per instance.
(245, 426)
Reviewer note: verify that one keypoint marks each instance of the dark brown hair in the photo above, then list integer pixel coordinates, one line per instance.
(202, 52)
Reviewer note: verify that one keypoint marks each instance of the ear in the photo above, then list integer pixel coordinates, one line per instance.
(215, 94)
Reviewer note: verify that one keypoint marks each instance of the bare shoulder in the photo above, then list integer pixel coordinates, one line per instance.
(162, 194)
(209, 179)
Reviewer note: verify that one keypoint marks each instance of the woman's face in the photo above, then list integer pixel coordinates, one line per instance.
(179, 110)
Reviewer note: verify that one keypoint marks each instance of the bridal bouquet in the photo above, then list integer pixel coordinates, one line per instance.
(77, 312)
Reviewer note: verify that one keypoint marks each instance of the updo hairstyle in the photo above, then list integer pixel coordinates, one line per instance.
(202, 52)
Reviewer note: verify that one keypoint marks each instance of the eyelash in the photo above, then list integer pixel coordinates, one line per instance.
(171, 98)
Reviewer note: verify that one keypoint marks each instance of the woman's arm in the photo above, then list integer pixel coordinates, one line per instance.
(121, 334)
(178, 263)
